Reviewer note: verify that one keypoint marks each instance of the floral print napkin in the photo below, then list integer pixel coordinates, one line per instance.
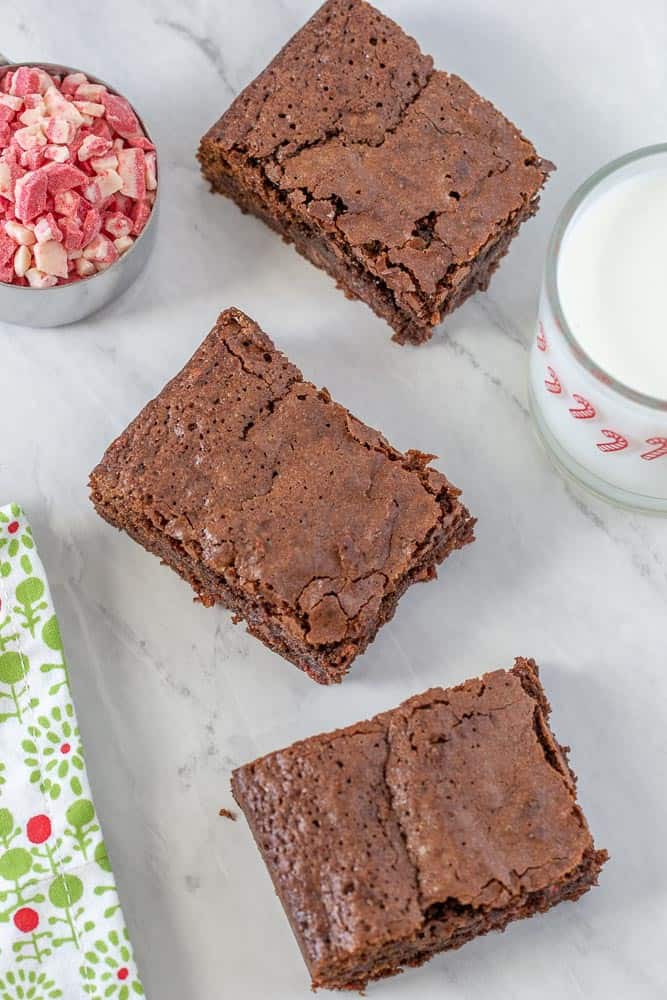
(62, 933)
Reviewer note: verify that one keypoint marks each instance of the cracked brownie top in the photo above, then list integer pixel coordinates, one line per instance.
(457, 800)
(409, 170)
(268, 483)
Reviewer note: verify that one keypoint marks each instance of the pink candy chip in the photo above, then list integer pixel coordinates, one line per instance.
(47, 229)
(101, 250)
(13, 103)
(104, 185)
(67, 203)
(59, 154)
(93, 145)
(84, 268)
(100, 127)
(10, 172)
(29, 80)
(100, 164)
(7, 249)
(22, 261)
(72, 235)
(21, 235)
(140, 215)
(51, 257)
(30, 137)
(64, 177)
(140, 142)
(33, 101)
(91, 226)
(151, 171)
(33, 116)
(117, 224)
(77, 177)
(90, 108)
(6, 182)
(123, 244)
(33, 159)
(72, 82)
(89, 91)
(120, 116)
(30, 194)
(59, 107)
(60, 131)
(38, 279)
(132, 170)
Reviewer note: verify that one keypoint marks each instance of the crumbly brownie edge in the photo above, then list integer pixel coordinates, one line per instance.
(349, 276)
(226, 177)
(450, 925)
(458, 925)
(326, 665)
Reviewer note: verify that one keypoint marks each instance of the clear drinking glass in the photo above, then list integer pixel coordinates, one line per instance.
(609, 437)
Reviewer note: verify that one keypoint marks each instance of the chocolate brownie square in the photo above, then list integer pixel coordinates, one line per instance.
(427, 826)
(274, 501)
(396, 178)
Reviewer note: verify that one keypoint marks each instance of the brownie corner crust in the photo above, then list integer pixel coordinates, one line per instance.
(397, 179)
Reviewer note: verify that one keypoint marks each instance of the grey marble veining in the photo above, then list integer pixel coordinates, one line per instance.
(172, 696)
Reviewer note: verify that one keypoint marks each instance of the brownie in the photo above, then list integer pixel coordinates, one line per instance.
(274, 501)
(427, 826)
(396, 178)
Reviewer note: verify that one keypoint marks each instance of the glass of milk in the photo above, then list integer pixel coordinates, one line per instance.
(598, 366)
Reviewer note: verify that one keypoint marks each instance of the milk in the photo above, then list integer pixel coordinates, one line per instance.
(598, 365)
(612, 280)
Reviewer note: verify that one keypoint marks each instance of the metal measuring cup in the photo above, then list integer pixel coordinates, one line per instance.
(48, 307)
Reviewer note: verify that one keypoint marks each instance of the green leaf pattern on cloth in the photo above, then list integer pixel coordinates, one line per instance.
(62, 933)
(106, 969)
(22, 985)
(55, 752)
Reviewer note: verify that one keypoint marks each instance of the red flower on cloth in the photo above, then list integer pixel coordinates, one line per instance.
(38, 829)
(26, 920)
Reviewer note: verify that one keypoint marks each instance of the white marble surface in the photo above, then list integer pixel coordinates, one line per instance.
(172, 696)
